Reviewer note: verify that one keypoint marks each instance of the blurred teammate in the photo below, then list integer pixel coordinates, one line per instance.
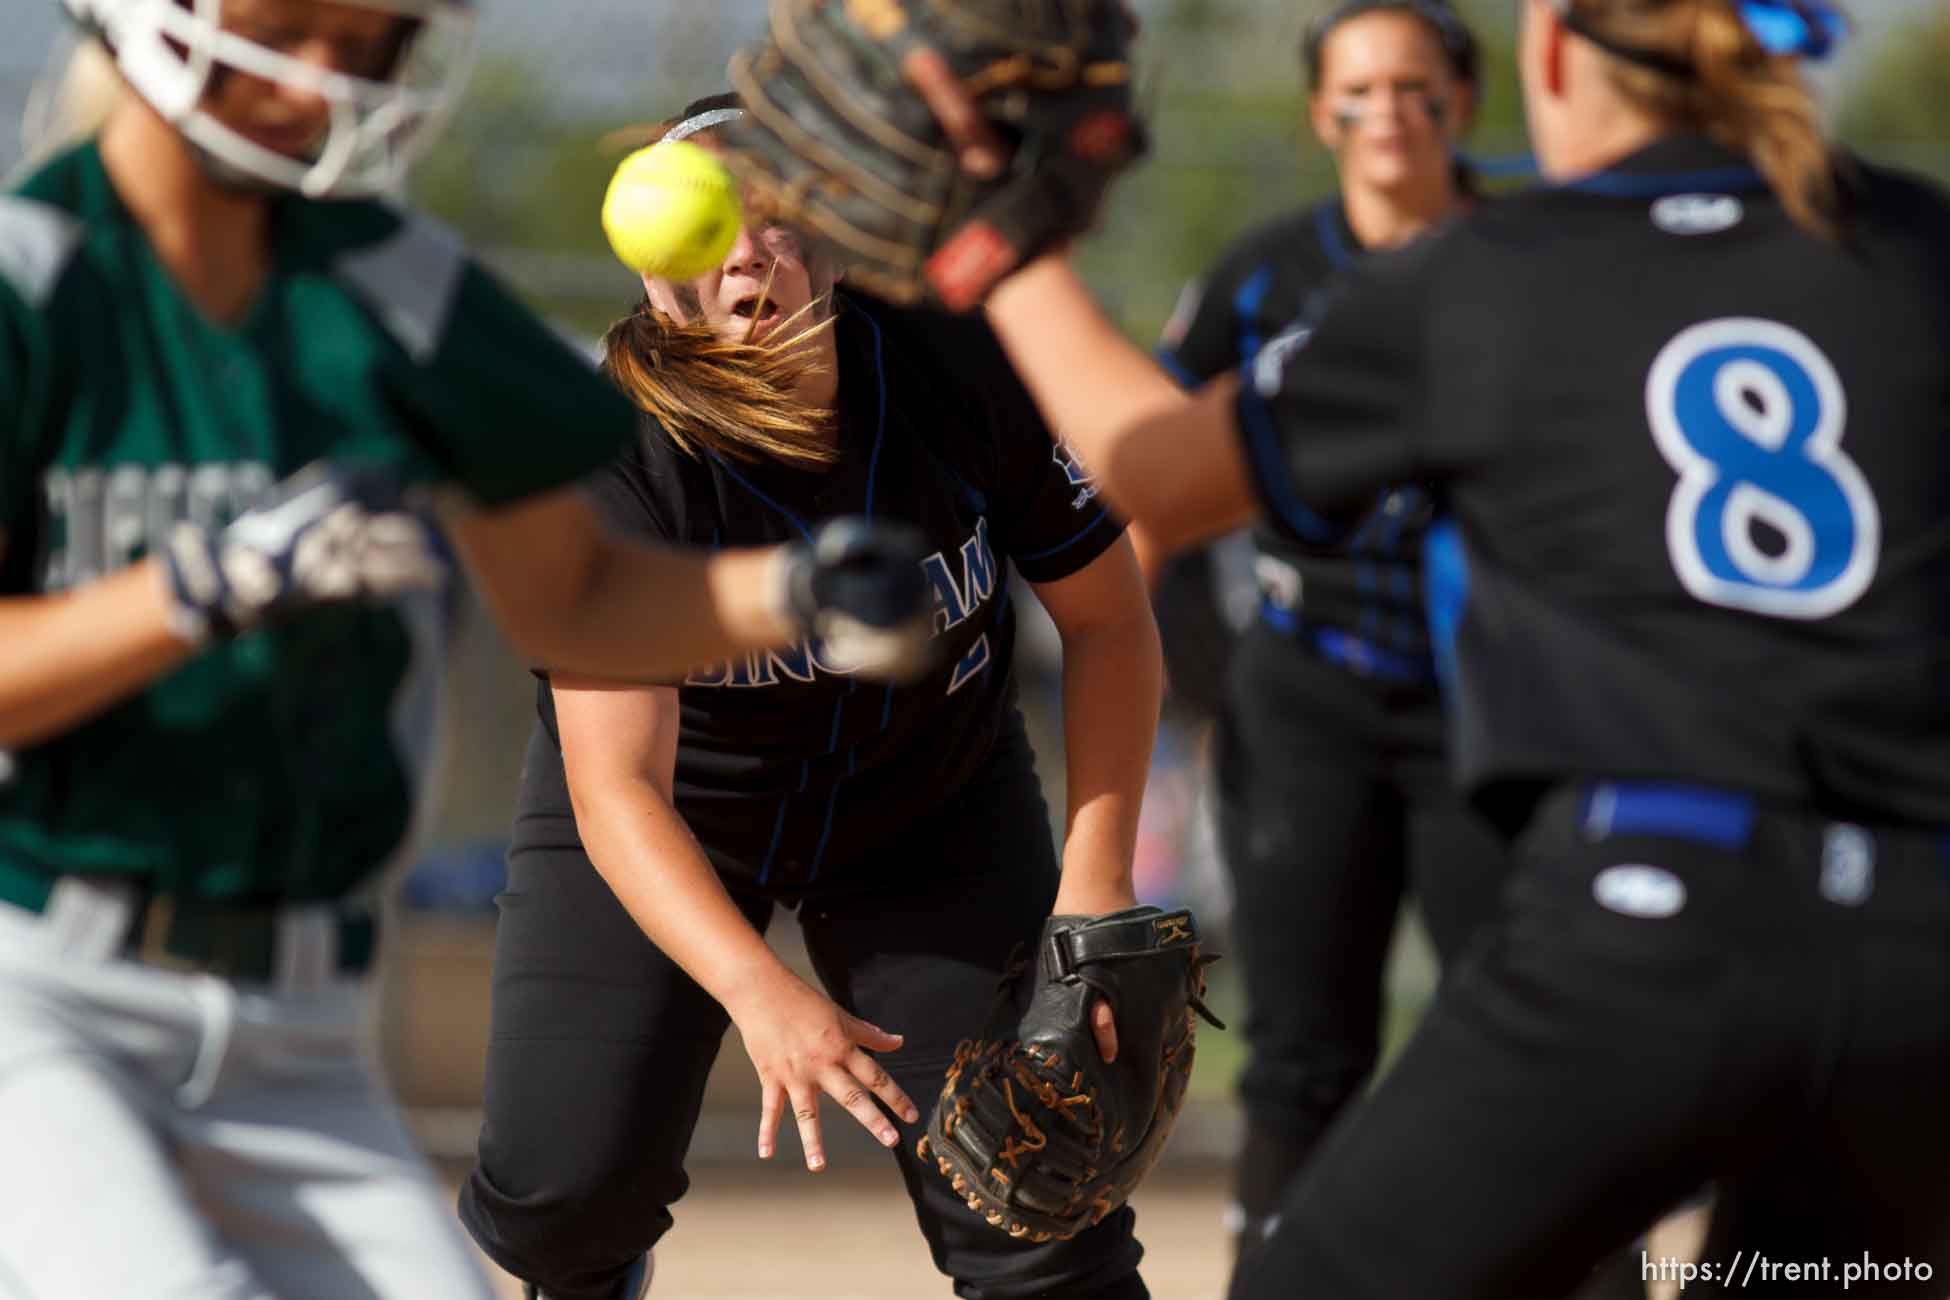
(1688, 406)
(217, 717)
(906, 825)
(1333, 791)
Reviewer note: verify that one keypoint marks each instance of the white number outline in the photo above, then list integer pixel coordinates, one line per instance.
(1698, 475)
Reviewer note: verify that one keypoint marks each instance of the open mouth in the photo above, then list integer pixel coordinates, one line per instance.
(758, 309)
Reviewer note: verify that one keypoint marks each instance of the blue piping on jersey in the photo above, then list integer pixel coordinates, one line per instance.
(825, 832)
(1445, 588)
(752, 488)
(1245, 309)
(1339, 256)
(1502, 168)
(1176, 369)
(1634, 185)
(1263, 448)
(880, 429)
(778, 826)
(1699, 813)
(1066, 545)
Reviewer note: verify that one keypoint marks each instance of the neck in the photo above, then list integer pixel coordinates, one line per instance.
(214, 241)
(1597, 126)
(1392, 217)
(819, 387)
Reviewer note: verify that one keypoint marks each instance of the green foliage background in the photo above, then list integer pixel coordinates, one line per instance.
(524, 181)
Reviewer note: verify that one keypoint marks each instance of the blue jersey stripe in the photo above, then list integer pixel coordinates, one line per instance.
(1263, 449)
(1631, 185)
(1176, 368)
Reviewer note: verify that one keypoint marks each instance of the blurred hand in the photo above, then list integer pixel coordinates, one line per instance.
(802, 1043)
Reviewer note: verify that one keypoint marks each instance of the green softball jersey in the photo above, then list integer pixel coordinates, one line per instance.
(283, 764)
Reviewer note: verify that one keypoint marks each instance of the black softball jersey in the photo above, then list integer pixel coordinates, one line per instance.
(1356, 598)
(786, 762)
(1698, 462)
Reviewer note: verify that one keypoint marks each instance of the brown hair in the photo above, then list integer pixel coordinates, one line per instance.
(1707, 71)
(735, 399)
(729, 398)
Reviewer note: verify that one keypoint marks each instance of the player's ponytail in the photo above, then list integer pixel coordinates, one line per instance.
(728, 398)
(1703, 64)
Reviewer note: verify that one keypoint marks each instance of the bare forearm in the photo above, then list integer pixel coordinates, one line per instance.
(651, 861)
(658, 612)
(1113, 676)
(628, 612)
(68, 657)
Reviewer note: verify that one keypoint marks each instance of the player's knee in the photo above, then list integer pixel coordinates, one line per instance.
(580, 1222)
(1316, 1084)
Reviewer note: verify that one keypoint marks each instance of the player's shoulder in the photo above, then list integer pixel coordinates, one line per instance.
(43, 222)
(406, 267)
(1307, 245)
(943, 353)
(1892, 199)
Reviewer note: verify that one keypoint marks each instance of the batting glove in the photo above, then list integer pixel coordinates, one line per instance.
(859, 587)
(328, 535)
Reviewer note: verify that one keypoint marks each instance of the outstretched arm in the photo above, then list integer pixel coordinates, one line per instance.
(1170, 461)
(619, 750)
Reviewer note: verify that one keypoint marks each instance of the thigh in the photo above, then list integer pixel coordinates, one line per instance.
(598, 1053)
(302, 1161)
(925, 960)
(1312, 839)
(1516, 1142)
(92, 1203)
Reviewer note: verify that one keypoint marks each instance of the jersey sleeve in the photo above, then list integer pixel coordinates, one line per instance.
(1201, 340)
(1333, 412)
(510, 408)
(638, 495)
(1051, 519)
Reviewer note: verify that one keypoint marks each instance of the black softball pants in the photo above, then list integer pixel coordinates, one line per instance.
(1682, 988)
(1334, 800)
(600, 1046)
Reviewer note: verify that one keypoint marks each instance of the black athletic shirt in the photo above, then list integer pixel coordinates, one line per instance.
(1699, 467)
(1355, 598)
(785, 766)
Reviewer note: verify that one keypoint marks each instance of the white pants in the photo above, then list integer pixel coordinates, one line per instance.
(168, 1136)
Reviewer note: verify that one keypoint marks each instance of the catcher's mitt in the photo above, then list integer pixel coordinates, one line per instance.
(835, 141)
(1038, 1134)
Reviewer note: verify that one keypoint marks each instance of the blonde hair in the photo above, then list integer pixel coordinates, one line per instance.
(734, 399)
(1725, 84)
(71, 102)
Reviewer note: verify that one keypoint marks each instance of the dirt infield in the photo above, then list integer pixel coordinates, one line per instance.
(782, 1234)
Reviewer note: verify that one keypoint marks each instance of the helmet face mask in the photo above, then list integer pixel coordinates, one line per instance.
(175, 53)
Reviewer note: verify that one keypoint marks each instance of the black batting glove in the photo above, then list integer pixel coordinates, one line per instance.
(328, 535)
(859, 587)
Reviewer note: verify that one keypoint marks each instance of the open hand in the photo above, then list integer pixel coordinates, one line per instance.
(802, 1043)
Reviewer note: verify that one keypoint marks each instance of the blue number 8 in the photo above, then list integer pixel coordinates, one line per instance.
(1751, 414)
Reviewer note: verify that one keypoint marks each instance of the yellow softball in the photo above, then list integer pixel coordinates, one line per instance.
(671, 211)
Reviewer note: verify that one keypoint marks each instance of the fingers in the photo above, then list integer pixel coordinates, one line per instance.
(853, 1094)
(805, 1109)
(1103, 1026)
(771, 1102)
(981, 151)
(868, 1035)
(881, 1084)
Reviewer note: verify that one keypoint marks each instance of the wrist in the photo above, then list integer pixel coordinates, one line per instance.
(1080, 894)
(752, 981)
